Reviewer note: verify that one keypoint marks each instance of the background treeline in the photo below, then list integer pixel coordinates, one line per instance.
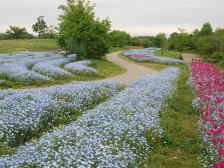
(205, 41)
(40, 27)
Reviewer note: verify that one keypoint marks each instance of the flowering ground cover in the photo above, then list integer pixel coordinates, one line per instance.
(148, 54)
(80, 66)
(37, 67)
(25, 114)
(110, 135)
(208, 82)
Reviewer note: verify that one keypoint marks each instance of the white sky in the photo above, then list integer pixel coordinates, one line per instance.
(137, 17)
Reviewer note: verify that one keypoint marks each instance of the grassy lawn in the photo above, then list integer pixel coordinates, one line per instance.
(168, 53)
(11, 46)
(180, 144)
(124, 48)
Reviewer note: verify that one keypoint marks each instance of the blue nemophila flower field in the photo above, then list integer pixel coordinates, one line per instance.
(148, 54)
(37, 67)
(80, 66)
(110, 135)
(24, 114)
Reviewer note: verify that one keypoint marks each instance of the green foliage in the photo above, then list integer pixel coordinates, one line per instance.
(161, 41)
(40, 26)
(15, 32)
(135, 41)
(146, 43)
(179, 41)
(80, 32)
(207, 44)
(119, 38)
(206, 30)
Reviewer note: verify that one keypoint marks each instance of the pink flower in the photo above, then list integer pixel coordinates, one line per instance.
(221, 152)
(214, 141)
(221, 139)
(221, 163)
(215, 165)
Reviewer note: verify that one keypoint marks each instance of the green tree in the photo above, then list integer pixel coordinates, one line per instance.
(146, 43)
(40, 26)
(16, 32)
(161, 41)
(119, 38)
(50, 33)
(180, 41)
(80, 32)
(206, 30)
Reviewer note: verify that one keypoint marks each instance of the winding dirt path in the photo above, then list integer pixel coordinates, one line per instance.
(189, 56)
(134, 71)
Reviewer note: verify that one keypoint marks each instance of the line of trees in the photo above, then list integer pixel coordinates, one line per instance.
(206, 41)
(80, 32)
(40, 27)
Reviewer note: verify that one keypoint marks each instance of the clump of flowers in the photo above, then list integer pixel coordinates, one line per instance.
(208, 82)
(80, 66)
(110, 135)
(148, 54)
(39, 67)
(24, 114)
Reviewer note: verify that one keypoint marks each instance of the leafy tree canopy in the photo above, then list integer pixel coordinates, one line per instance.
(80, 32)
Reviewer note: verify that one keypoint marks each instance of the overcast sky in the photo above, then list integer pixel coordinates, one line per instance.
(137, 17)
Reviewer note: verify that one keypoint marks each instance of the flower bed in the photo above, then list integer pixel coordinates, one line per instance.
(80, 66)
(208, 82)
(24, 114)
(144, 55)
(18, 67)
(38, 67)
(111, 135)
(52, 68)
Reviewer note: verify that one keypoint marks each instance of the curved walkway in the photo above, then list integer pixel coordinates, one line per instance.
(134, 71)
(187, 57)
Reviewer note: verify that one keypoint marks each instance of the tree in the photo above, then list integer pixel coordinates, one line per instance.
(161, 41)
(40, 26)
(206, 30)
(80, 32)
(15, 32)
(51, 32)
(146, 43)
(119, 38)
(180, 41)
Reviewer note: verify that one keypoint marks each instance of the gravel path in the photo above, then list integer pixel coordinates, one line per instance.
(188, 57)
(134, 71)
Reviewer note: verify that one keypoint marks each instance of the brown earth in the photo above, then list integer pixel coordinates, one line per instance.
(187, 57)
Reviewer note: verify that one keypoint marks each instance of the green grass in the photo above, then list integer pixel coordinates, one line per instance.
(11, 46)
(105, 69)
(124, 48)
(179, 145)
(168, 53)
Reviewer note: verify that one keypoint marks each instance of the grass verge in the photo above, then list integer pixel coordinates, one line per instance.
(180, 143)
(11, 46)
(168, 53)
